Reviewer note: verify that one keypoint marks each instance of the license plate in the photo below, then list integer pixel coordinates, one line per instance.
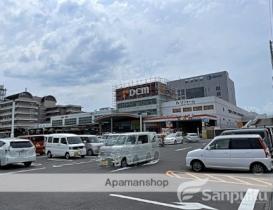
(77, 153)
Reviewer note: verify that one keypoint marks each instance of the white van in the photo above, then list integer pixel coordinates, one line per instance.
(236, 152)
(14, 150)
(130, 148)
(64, 145)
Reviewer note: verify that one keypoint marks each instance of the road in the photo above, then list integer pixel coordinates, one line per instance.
(171, 166)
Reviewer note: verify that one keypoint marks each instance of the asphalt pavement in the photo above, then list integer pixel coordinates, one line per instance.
(171, 165)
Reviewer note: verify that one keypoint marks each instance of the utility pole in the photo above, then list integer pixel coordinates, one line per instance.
(271, 52)
(12, 119)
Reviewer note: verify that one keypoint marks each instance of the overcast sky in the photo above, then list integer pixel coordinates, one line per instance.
(77, 50)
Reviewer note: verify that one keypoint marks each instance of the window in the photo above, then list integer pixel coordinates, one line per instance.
(176, 110)
(245, 143)
(56, 123)
(220, 144)
(187, 109)
(85, 120)
(63, 141)
(49, 140)
(2, 143)
(197, 108)
(71, 121)
(143, 139)
(56, 140)
(20, 144)
(218, 93)
(208, 107)
(86, 139)
(198, 92)
(131, 140)
(218, 88)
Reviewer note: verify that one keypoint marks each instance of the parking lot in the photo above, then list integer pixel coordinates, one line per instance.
(171, 165)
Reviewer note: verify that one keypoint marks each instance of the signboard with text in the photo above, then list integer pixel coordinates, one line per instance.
(138, 91)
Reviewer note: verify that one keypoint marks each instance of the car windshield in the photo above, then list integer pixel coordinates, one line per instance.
(74, 140)
(116, 140)
(171, 135)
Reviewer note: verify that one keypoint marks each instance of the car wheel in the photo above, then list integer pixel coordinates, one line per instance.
(197, 166)
(156, 156)
(257, 168)
(90, 152)
(49, 155)
(67, 156)
(123, 163)
(27, 164)
(175, 142)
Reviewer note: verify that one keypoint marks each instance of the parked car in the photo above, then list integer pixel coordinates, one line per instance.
(130, 148)
(192, 137)
(13, 150)
(107, 136)
(64, 145)
(174, 138)
(236, 152)
(263, 132)
(92, 144)
(38, 141)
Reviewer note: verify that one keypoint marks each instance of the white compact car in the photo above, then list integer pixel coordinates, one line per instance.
(192, 137)
(14, 150)
(64, 145)
(174, 138)
(236, 152)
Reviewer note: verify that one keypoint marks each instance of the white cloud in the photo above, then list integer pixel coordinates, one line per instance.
(80, 49)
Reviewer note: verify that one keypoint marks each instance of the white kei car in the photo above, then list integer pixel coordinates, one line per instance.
(174, 138)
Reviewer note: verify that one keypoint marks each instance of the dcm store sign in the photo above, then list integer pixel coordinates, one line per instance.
(139, 91)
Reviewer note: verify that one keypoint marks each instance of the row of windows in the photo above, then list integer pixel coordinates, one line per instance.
(85, 120)
(57, 123)
(195, 108)
(70, 121)
(137, 103)
(248, 143)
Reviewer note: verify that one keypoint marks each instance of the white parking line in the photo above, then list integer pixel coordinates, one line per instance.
(121, 169)
(183, 149)
(22, 171)
(55, 159)
(177, 206)
(71, 164)
(151, 163)
(249, 200)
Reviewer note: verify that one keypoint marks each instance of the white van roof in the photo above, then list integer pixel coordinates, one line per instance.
(61, 135)
(87, 135)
